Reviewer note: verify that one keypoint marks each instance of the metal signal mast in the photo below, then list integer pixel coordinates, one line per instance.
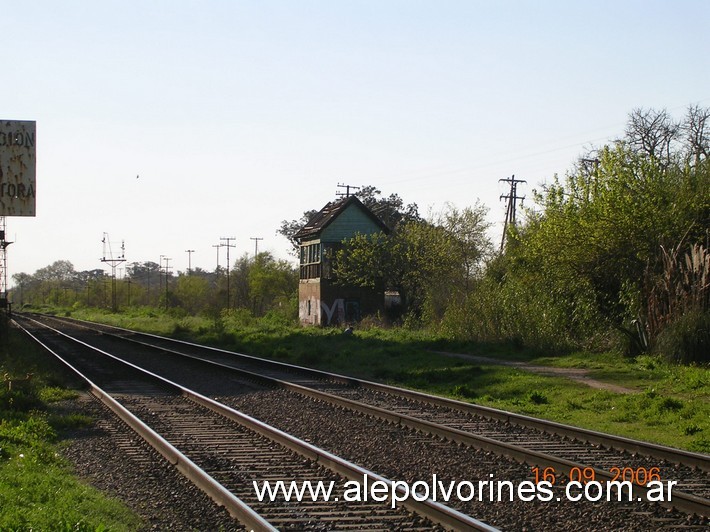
(113, 261)
(3, 264)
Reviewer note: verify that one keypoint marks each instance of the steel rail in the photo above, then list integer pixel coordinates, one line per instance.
(433, 510)
(681, 500)
(218, 493)
(679, 456)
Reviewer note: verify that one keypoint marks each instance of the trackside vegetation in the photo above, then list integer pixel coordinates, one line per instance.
(38, 489)
(666, 403)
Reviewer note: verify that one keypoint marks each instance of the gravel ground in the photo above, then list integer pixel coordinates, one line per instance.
(105, 456)
(401, 454)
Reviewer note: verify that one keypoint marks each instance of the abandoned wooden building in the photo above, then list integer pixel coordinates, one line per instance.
(322, 301)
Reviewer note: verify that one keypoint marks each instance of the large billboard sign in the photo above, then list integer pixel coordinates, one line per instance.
(18, 163)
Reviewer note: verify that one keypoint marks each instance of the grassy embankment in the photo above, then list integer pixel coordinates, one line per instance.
(670, 404)
(38, 489)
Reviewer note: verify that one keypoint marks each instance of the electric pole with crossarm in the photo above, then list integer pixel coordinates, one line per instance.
(228, 244)
(511, 198)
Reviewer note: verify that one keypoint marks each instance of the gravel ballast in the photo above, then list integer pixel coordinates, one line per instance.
(105, 456)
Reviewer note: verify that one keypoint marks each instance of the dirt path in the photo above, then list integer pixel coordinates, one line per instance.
(575, 374)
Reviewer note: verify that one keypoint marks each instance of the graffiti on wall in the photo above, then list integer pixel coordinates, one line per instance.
(328, 311)
(317, 312)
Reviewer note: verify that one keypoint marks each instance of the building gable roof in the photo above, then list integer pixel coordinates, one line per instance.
(330, 212)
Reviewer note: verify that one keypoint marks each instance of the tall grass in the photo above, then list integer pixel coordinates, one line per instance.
(678, 308)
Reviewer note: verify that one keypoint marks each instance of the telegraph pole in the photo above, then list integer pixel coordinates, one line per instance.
(256, 245)
(160, 281)
(189, 260)
(228, 245)
(167, 272)
(511, 198)
(217, 246)
(347, 190)
(591, 174)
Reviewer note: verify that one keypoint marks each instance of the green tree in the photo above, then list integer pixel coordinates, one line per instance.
(191, 292)
(146, 282)
(589, 255)
(428, 263)
(289, 228)
(273, 284)
(391, 209)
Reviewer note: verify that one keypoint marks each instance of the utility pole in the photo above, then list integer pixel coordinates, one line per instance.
(113, 261)
(347, 190)
(228, 245)
(167, 272)
(189, 260)
(160, 281)
(511, 198)
(591, 174)
(217, 246)
(256, 245)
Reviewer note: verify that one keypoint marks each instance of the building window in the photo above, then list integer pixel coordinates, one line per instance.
(310, 261)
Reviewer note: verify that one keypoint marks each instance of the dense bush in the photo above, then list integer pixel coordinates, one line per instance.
(687, 339)
(607, 252)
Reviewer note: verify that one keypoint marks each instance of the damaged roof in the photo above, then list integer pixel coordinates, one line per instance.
(330, 212)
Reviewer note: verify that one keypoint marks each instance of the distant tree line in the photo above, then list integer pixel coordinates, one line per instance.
(259, 285)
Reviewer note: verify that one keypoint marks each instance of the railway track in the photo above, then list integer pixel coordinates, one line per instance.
(545, 449)
(227, 454)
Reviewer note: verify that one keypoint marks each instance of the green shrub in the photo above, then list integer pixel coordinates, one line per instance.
(687, 340)
(692, 429)
(701, 444)
(537, 398)
(22, 394)
(669, 403)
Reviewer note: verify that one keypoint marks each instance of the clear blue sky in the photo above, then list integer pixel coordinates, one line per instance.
(240, 114)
